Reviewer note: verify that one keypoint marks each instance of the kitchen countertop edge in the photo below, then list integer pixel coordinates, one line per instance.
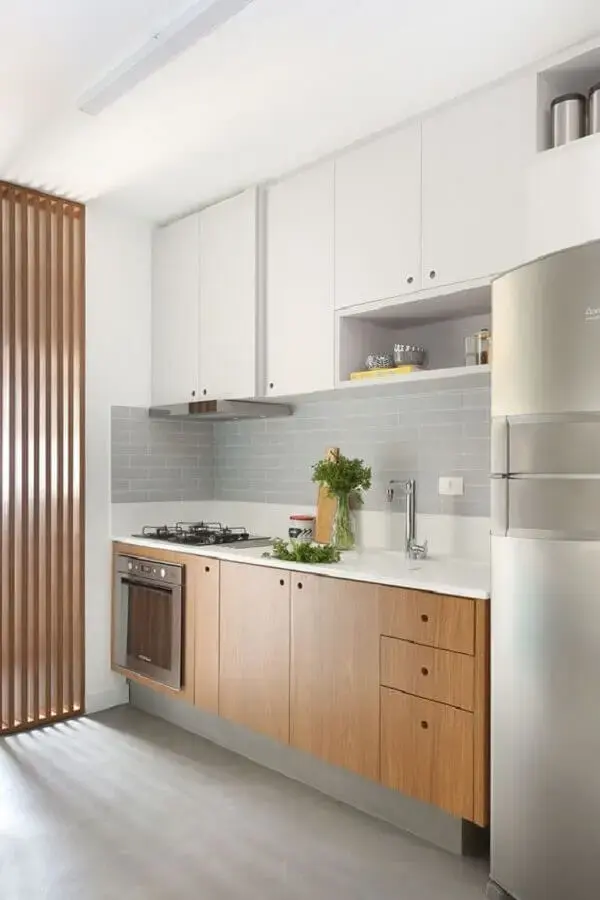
(444, 575)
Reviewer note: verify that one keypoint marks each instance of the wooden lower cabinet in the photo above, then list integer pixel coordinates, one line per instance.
(203, 581)
(435, 620)
(254, 669)
(388, 683)
(429, 673)
(334, 691)
(427, 751)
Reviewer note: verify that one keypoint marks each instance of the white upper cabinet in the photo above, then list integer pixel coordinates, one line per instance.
(563, 206)
(378, 218)
(300, 311)
(476, 154)
(228, 298)
(175, 294)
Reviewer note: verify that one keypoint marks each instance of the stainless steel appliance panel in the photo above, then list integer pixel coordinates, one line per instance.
(566, 444)
(499, 445)
(499, 505)
(562, 508)
(149, 612)
(546, 319)
(545, 718)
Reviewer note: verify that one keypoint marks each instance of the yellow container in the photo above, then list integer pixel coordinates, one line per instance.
(383, 373)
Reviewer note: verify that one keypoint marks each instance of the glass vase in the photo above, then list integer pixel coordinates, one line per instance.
(343, 526)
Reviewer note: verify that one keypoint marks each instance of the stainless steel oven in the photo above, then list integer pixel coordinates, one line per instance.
(149, 619)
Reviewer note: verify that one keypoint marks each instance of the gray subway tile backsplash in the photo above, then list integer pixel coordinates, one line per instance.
(415, 435)
(154, 459)
(418, 435)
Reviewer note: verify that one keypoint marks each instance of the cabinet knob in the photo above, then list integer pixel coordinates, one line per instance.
(193, 393)
(424, 725)
(424, 671)
(271, 385)
(281, 582)
(432, 273)
(410, 279)
(207, 568)
(299, 585)
(424, 618)
(204, 391)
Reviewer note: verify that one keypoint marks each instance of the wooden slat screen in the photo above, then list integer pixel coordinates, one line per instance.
(42, 255)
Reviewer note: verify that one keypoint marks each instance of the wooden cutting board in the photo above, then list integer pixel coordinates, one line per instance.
(326, 506)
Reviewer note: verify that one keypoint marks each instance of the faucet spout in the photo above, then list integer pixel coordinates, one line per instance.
(408, 488)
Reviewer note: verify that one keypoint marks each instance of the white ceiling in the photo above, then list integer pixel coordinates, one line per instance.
(283, 83)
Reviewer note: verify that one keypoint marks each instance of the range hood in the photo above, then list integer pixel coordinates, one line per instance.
(222, 410)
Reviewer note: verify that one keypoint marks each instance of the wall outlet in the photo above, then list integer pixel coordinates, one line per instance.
(450, 487)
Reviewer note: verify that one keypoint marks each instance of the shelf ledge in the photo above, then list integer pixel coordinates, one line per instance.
(424, 375)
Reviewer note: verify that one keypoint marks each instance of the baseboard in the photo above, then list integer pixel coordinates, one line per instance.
(420, 819)
(96, 702)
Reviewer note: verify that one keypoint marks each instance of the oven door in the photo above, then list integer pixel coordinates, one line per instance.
(149, 619)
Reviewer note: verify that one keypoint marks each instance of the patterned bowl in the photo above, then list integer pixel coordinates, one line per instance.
(379, 361)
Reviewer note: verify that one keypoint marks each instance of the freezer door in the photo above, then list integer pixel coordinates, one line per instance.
(567, 444)
(546, 331)
(546, 476)
(546, 718)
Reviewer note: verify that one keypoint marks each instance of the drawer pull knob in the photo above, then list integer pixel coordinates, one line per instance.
(424, 671)
(424, 618)
(424, 725)
(207, 568)
(281, 582)
(299, 585)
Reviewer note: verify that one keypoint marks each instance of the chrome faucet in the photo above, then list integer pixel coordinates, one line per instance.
(408, 487)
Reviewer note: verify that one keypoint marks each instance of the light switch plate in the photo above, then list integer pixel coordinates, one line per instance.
(450, 486)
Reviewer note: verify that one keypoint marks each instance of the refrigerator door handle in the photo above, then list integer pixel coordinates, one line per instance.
(499, 505)
(499, 446)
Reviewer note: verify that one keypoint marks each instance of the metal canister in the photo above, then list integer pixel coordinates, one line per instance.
(594, 109)
(568, 118)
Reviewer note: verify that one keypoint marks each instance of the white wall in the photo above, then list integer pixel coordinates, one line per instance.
(118, 344)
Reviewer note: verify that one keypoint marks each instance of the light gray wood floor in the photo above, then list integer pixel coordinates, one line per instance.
(123, 805)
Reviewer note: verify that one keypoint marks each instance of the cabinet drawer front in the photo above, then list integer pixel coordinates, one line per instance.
(427, 751)
(435, 620)
(434, 674)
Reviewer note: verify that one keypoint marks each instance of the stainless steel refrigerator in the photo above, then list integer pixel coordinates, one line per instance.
(546, 579)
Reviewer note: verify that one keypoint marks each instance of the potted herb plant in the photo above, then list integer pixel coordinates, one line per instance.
(346, 479)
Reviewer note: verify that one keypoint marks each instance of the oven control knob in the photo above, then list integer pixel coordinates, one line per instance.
(163, 573)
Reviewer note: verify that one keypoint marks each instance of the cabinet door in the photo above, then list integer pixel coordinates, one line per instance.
(175, 299)
(334, 696)
(300, 315)
(562, 210)
(427, 751)
(255, 648)
(476, 155)
(203, 580)
(378, 218)
(228, 298)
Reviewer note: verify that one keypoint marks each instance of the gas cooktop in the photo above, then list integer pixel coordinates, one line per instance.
(201, 533)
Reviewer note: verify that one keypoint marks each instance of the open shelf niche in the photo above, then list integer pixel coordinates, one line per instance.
(439, 324)
(575, 75)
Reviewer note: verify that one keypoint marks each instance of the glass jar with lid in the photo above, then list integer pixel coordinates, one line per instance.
(478, 348)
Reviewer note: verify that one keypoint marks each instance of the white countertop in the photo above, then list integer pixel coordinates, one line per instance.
(442, 575)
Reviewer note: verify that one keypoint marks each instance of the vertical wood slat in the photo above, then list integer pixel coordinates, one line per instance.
(42, 258)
